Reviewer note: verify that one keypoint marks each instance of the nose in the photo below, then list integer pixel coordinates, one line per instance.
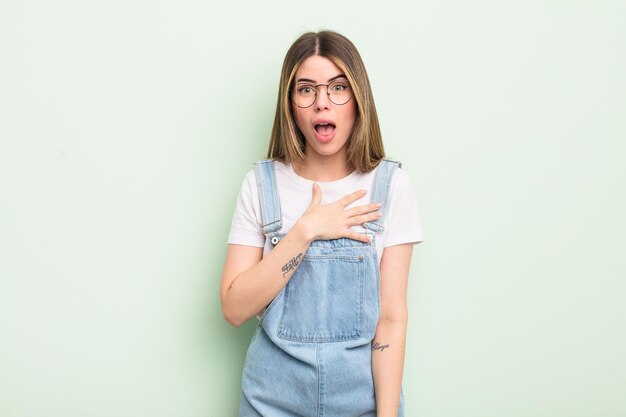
(322, 100)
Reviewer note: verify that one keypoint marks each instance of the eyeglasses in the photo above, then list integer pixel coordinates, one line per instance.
(339, 93)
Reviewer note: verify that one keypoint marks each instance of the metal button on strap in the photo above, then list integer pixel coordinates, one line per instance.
(274, 240)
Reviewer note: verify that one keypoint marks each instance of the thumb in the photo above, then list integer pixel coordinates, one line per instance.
(317, 195)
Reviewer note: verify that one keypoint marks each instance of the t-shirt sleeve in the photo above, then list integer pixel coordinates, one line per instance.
(402, 223)
(246, 225)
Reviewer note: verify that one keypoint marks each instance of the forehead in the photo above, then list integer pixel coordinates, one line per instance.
(318, 68)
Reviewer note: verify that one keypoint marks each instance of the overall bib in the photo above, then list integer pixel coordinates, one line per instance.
(310, 355)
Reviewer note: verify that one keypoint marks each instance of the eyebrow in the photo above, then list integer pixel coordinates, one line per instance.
(307, 80)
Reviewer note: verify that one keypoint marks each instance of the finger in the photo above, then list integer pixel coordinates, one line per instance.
(317, 194)
(362, 237)
(364, 218)
(367, 208)
(352, 197)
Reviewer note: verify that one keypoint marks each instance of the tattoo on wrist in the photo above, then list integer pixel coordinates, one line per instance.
(378, 346)
(293, 262)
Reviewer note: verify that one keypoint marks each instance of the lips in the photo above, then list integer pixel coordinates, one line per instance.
(324, 128)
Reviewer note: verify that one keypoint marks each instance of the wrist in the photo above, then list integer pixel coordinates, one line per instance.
(387, 413)
(304, 229)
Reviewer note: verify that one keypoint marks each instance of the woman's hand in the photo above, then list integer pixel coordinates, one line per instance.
(332, 221)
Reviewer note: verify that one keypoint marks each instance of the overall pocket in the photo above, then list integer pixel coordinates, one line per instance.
(324, 300)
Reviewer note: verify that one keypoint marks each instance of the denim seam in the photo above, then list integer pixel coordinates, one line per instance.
(321, 380)
(269, 197)
(276, 194)
(383, 177)
(259, 179)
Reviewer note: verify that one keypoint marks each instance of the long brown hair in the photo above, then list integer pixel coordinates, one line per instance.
(365, 145)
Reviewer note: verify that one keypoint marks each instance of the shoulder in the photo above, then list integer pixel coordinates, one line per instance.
(401, 191)
(261, 165)
(267, 165)
(264, 169)
(400, 179)
(249, 180)
(249, 189)
(403, 223)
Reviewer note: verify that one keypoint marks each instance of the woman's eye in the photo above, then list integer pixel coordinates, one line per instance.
(339, 87)
(305, 90)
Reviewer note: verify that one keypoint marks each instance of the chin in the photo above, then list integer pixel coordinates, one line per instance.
(326, 151)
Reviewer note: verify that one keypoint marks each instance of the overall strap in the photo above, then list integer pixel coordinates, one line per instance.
(268, 195)
(380, 191)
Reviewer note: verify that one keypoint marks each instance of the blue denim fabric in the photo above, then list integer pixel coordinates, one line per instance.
(310, 355)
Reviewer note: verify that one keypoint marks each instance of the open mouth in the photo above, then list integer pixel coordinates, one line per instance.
(324, 128)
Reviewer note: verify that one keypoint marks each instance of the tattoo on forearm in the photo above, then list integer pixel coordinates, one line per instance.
(378, 346)
(293, 262)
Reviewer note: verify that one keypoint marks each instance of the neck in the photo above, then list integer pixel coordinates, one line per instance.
(324, 169)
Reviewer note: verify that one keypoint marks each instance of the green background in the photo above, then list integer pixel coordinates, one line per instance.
(126, 128)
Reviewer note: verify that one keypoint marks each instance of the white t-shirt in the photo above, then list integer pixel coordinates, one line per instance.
(401, 222)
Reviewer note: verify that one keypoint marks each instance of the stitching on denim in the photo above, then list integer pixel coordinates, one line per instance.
(275, 195)
(269, 197)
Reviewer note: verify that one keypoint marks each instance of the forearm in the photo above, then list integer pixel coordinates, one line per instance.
(388, 349)
(255, 288)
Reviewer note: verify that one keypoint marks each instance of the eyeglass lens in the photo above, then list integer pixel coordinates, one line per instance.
(339, 92)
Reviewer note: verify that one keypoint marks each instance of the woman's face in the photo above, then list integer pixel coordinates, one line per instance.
(325, 125)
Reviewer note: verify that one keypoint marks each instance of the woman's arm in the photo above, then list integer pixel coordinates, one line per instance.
(389, 341)
(250, 282)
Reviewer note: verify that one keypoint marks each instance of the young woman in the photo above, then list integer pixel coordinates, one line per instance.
(320, 247)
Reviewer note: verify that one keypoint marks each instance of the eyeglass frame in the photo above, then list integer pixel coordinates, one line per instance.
(327, 92)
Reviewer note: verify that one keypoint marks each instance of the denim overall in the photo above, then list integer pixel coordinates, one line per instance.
(310, 355)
